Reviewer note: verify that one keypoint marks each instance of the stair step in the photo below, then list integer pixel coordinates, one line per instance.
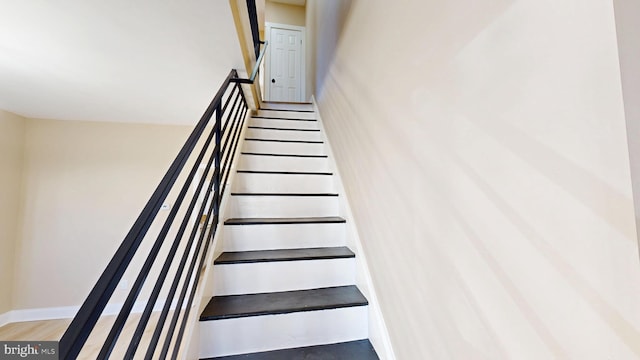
(294, 110)
(280, 147)
(269, 233)
(265, 133)
(238, 306)
(243, 257)
(286, 141)
(285, 221)
(306, 124)
(268, 271)
(283, 162)
(270, 105)
(285, 155)
(277, 182)
(282, 331)
(286, 103)
(272, 204)
(352, 350)
(281, 118)
(284, 194)
(283, 172)
(305, 115)
(281, 129)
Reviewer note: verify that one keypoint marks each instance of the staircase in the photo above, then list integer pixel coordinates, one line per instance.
(284, 285)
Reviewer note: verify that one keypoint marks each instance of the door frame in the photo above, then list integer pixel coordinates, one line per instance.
(303, 58)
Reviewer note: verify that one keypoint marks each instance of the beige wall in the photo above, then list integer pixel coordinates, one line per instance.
(12, 135)
(84, 184)
(325, 23)
(284, 14)
(483, 148)
(311, 48)
(627, 20)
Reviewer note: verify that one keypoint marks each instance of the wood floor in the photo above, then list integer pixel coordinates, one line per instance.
(52, 330)
(48, 330)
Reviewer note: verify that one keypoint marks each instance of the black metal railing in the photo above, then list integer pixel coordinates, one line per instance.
(183, 238)
(216, 136)
(253, 21)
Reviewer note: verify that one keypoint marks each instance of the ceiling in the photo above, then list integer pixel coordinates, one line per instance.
(142, 61)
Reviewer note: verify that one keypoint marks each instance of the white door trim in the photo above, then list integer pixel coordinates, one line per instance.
(303, 52)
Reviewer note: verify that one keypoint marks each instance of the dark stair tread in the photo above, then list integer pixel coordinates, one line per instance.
(282, 129)
(284, 194)
(283, 172)
(285, 302)
(286, 141)
(281, 118)
(243, 257)
(352, 350)
(287, 102)
(289, 110)
(285, 221)
(284, 155)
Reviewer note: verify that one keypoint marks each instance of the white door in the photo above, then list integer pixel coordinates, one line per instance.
(285, 71)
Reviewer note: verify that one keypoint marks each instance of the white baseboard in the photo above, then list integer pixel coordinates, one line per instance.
(68, 312)
(5, 318)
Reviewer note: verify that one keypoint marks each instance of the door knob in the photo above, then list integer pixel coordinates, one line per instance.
(273, 81)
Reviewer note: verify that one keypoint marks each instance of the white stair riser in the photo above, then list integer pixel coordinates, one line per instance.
(271, 147)
(278, 183)
(282, 206)
(289, 236)
(252, 278)
(276, 106)
(283, 134)
(286, 124)
(286, 114)
(282, 163)
(273, 332)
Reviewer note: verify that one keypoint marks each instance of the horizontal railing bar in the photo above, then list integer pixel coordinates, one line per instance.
(183, 324)
(236, 105)
(233, 92)
(233, 123)
(235, 129)
(146, 314)
(83, 323)
(144, 271)
(174, 320)
(170, 295)
(212, 232)
(233, 152)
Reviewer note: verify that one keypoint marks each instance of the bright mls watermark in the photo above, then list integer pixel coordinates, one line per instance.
(31, 350)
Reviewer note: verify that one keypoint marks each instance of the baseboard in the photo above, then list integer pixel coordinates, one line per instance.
(5, 318)
(68, 312)
(378, 333)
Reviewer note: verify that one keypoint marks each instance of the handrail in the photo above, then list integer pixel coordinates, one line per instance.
(224, 136)
(253, 22)
(256, 67)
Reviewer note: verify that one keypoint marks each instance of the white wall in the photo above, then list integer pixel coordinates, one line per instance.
(325, 22)
(12, 133)
(84, 185)
(483, 149)
(627, 20)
